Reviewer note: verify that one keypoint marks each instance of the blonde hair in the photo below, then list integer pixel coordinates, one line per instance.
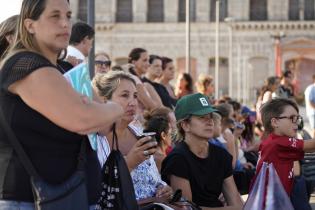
(106, 84)
(7, 27)
(203, 82)
(103, 54)
(24, 40)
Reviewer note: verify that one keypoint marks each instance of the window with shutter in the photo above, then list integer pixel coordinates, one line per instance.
(124, 11)
(258, 10)
(309, 10)
(294, 10)
(182, 10)
(82, 14)
(223, 10)
(155, 11)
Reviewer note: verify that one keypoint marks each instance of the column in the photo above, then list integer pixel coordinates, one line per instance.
(139, 9)
(171, 11)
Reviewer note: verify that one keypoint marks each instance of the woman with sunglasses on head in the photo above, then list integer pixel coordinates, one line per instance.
(102, 62)
(48, 117)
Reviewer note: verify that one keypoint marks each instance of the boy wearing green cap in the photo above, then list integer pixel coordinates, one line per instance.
(203, 171)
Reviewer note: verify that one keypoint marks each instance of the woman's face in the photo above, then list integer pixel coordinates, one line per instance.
(169, 71)
(209, 89)
(182, 82)
(155, 68)
(53, 28)
(126, 96)
(142, 64)
(200, 126)
(102, 64)
(167, 138)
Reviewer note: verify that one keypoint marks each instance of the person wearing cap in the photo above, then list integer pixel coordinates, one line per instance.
(201, 170)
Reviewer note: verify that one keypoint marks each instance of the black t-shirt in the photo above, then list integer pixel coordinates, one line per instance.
(166, 99)
(65, 65)
(284, 92)
(52, 149)
(205, 175)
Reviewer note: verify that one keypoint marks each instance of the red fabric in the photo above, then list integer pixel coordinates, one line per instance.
(168, 150)
(282, 151)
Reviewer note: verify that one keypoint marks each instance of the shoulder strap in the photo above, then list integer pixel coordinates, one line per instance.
(26, 162)
(115, 145)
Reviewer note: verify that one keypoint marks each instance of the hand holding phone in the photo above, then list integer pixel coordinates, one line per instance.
(151, 141)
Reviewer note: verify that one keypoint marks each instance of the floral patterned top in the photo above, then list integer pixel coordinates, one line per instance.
(146, 179)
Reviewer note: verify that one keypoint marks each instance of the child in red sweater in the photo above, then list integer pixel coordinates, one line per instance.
(280, 119)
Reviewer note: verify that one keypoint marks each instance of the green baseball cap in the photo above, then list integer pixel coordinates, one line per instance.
(193, 104)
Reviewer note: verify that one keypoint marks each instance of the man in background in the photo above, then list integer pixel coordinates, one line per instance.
(310, 104)
(80, 44)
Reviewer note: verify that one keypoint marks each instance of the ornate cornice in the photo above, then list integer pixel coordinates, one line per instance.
(104, 27)
(237, 26)
(273, 25)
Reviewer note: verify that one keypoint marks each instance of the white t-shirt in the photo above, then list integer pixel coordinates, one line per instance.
(310, 96)
(72, 51)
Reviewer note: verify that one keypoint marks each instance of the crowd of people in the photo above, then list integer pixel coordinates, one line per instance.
(210, 148)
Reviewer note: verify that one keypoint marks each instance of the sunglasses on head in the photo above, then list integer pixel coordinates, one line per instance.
(106, 63)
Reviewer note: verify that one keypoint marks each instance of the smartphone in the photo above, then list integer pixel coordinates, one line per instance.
(144, 134)
(152, 134)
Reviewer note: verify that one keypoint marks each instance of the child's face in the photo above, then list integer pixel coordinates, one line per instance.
(285, 124)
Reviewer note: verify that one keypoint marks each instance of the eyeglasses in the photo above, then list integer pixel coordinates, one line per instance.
(100, 63)
(294, 118)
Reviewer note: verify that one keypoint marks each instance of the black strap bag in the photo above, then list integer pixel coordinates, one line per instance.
(117, 187)
(70, 195)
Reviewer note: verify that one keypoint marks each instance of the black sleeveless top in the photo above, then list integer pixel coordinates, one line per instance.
(52, 149)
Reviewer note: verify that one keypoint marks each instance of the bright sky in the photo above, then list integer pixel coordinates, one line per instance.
(9, 8)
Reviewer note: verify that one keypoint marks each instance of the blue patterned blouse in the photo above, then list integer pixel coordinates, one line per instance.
(146, 178)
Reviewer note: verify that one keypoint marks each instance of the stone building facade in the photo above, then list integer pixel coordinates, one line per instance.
(247, 54)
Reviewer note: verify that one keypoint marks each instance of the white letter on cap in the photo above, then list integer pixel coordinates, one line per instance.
(204, 102)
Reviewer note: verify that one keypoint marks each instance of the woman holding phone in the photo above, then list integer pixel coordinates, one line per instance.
(120, 87)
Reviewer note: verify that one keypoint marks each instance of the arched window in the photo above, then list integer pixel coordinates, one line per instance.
(155, 11)
(223, 10)
(258, 10)
(182, 10)
(124, 11)
(309, 10)
(294, 10)
(82, 14)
